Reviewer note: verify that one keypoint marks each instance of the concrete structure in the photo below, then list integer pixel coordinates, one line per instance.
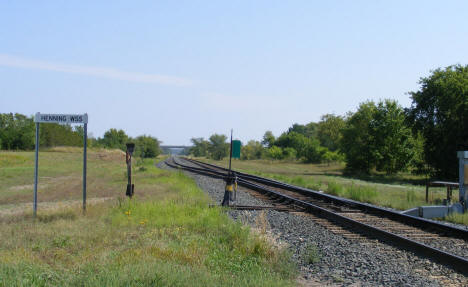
(434, 211)
(175, 149)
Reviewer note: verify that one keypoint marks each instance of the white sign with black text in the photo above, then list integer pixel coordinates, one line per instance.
(61, 118)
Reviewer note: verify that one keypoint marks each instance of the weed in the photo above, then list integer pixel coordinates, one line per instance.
(335, 189)
(298, 181)
(410, 195)
(61, 241)
(284, 263)
(337, 278)
(262, 222)
(311, 254)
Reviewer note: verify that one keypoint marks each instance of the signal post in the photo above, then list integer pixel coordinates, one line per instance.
(230, 191)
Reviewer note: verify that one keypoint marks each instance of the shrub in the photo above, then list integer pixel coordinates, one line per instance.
(275, 152)
(147, 147)
(311, 254)
(313, 152)
(289, 153)
(252, 150)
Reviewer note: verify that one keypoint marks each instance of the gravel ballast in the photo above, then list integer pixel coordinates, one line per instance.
(337, 260)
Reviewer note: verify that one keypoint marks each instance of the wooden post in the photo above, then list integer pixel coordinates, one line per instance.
(427, 192)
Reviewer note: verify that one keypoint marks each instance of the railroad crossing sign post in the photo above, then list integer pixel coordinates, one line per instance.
(60, 119)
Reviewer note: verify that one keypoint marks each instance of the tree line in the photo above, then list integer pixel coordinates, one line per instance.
(379, 136)
(17, 132)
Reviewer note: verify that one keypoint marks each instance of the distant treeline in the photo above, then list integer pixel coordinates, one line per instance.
(382, 136)
(17, 132)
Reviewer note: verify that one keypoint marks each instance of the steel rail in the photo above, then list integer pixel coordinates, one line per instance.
(454, 261)
(371, 209)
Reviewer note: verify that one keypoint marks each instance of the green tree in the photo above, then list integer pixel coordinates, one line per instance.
(252, 150)
(309, 130)
(147, 147)
(357, 139)
(17, 132)
(418, 162)
(200, 147)
(59, 135)
(289, 153)
(218, 148)
(329, 131)
(268, 139)
(114, 138)
(312, 151)
(331, 156)
(377, 136)
(275, 152)
(439, 111)
(293, 140)
(393, 145)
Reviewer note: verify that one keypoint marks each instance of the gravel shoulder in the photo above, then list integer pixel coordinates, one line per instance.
(339, 261)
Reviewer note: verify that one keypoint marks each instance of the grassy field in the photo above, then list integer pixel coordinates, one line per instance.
(166, 236)
(403, 191)
(60, 175)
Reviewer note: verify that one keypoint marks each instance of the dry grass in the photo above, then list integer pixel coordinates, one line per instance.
(60, 175)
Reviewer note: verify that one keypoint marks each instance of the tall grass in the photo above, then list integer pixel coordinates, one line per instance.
(460, 218)
(379, 194)
(410, 196)
(335, 188)
(355, 192)
(362, 193)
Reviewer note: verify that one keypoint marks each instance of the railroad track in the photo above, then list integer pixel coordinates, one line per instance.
(443, 243)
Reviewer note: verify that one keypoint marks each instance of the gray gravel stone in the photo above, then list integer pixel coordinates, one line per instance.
(341, 261)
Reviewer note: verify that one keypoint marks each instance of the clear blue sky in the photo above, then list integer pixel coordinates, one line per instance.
(182, 69)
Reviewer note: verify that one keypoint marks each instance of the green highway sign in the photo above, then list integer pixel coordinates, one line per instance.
(236, 148)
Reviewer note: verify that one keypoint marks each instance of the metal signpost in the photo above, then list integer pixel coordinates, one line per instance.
(60, 119)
